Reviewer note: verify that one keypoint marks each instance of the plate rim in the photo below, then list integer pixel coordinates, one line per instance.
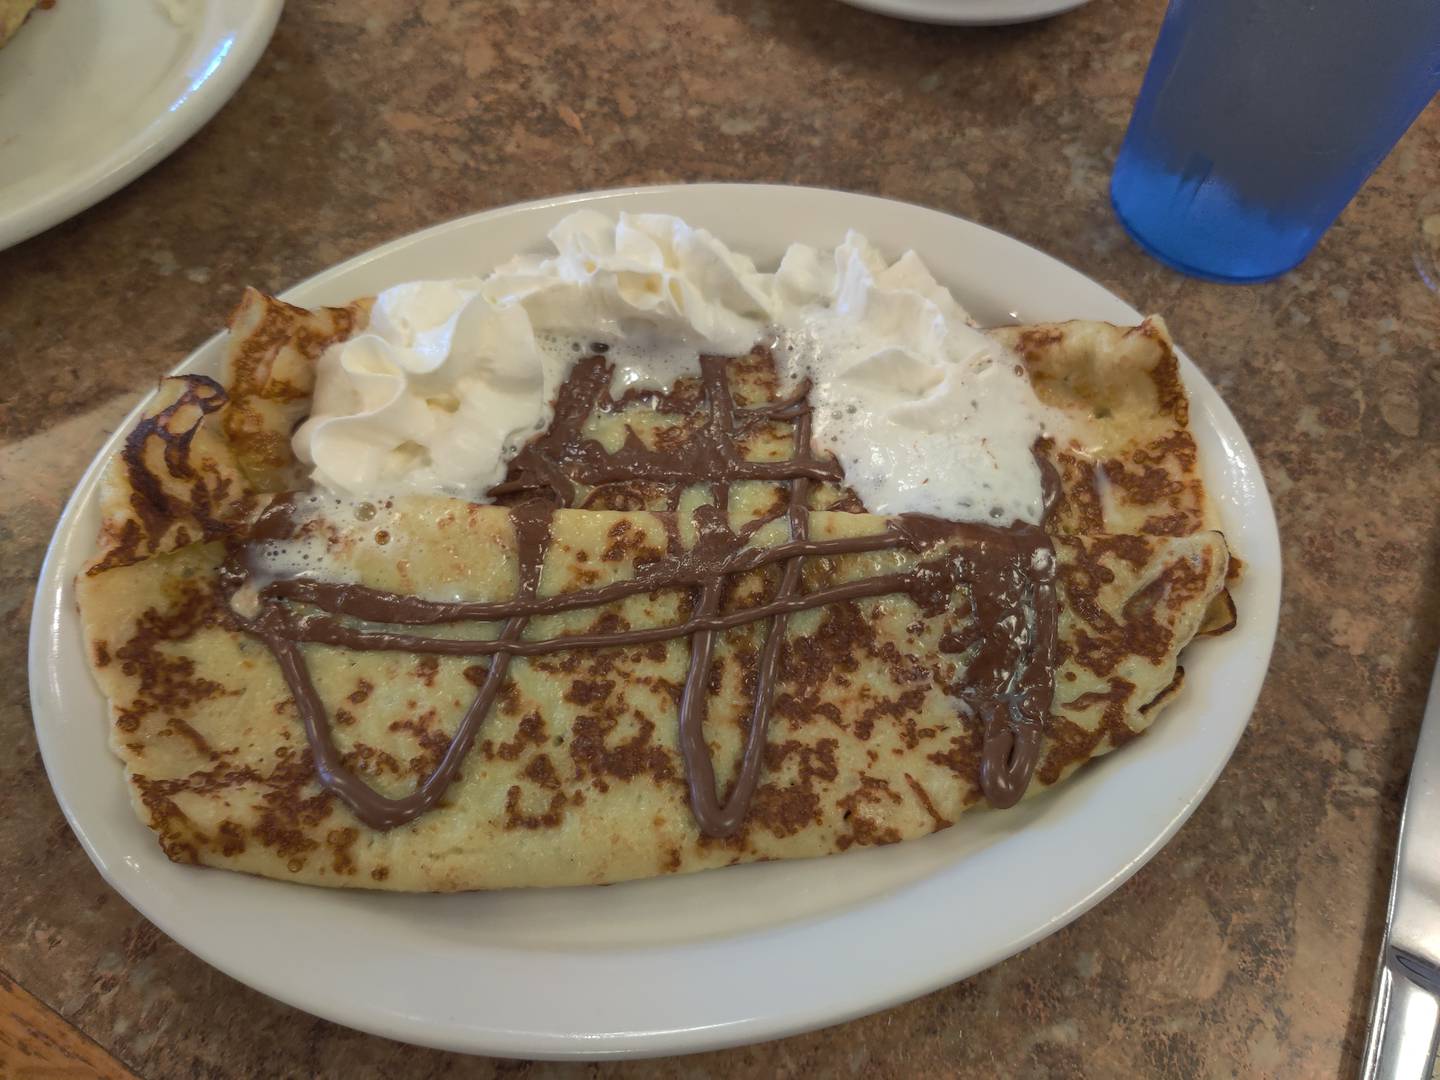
(457, 1036)
(967, 12)
(95, 179)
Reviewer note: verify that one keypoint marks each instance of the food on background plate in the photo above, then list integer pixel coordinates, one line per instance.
(631, 559)
(13, 14)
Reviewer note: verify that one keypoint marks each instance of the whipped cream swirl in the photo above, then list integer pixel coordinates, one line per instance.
(435, 396)
(925, 412)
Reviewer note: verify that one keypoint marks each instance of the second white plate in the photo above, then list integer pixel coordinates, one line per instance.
(94, 92)
(969, 12)
(723, 957)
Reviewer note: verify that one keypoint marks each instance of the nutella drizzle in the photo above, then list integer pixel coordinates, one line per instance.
(1008, 677)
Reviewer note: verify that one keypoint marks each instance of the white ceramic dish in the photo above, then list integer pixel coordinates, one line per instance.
(969, 12)
(718, 958)
(95, 92)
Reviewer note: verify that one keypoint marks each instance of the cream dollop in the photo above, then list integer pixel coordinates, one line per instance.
(435, 396)
(925, 412)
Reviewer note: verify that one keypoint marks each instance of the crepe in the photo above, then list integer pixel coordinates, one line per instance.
(183, 477)
(578, 773)
(576, 777)
(1137, 468)
(270, 375)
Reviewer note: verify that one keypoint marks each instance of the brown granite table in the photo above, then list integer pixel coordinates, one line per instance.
(1244, 948)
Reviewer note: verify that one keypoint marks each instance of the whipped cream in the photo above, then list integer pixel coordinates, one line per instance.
(435, 396)
(655, 290)
(925, 412)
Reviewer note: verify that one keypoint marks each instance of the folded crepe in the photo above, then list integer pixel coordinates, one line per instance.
(624, 672)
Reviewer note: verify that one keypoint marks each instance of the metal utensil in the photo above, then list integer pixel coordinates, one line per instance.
(1405, 1009)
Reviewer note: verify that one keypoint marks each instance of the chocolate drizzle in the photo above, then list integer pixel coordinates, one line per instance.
(1008, 653)
(553, 463)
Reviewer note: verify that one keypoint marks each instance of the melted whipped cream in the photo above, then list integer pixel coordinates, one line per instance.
(925, 412)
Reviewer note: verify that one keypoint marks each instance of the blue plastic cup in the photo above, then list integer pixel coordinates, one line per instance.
(1260, 119)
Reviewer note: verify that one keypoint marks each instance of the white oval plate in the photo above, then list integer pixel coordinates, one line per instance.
(969, 12)
(723, 957)
(95, 92)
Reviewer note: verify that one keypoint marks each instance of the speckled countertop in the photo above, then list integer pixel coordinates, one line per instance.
(1245, 947)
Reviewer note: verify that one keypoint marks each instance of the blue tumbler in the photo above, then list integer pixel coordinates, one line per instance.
(1260, 119)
